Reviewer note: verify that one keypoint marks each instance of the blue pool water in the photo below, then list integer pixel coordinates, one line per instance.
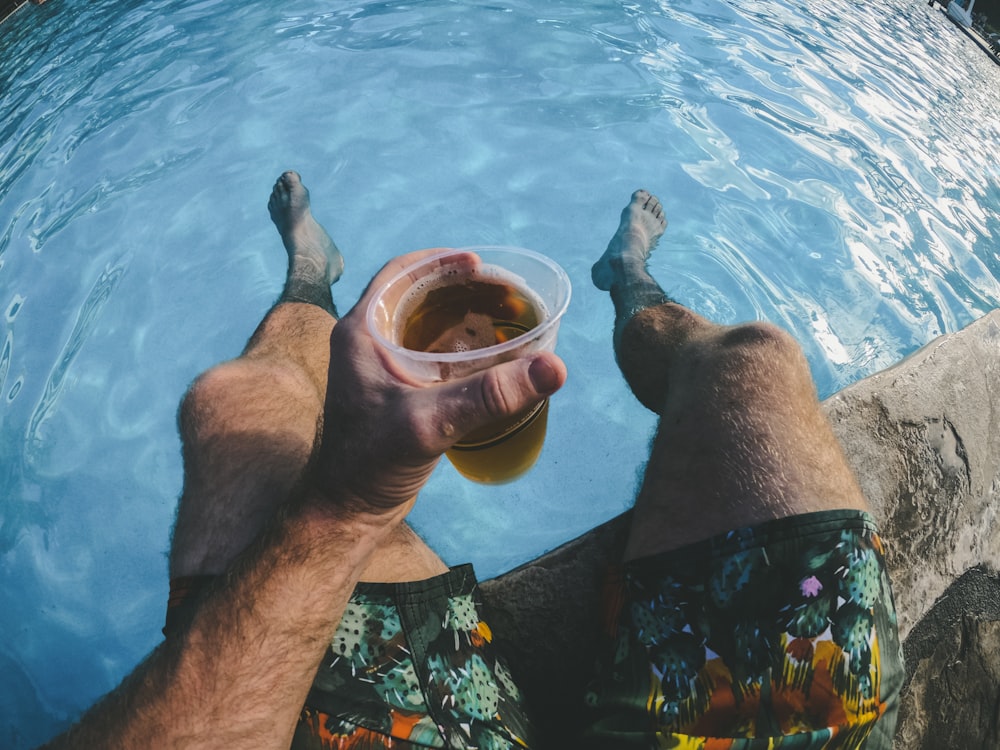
(828, 166)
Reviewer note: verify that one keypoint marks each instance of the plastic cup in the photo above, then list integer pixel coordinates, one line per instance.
(461, 311)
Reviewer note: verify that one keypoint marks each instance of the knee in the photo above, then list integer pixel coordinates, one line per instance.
(764, 344)
(229, 393)
(248, 396)
(759, 335)
(199, 406)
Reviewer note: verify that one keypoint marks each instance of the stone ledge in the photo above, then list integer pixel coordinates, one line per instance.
(924, 439)
(953, 669)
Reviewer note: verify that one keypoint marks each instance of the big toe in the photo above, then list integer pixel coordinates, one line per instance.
(289, 197)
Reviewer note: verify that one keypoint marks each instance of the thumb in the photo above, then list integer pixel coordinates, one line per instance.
(502, 391)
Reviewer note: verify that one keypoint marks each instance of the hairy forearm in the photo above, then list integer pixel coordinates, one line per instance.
(241, 671)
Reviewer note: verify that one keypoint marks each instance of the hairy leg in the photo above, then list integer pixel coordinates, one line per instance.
(249, 426)
(741, 438)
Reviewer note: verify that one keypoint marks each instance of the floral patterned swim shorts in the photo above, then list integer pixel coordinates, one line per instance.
(412, 665)
(781, 636)
(778, 636)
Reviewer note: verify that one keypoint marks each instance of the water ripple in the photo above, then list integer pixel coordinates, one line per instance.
(98, 297)
(5, 356)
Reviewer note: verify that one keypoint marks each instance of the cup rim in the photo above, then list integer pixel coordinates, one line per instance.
(452, 357)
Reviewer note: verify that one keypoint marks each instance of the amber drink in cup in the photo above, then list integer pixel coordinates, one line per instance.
(461, 311)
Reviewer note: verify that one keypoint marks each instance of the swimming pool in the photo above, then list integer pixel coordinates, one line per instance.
(826, 166)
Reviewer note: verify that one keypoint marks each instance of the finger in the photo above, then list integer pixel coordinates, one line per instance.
(400, 262)
(503, 391)
(398, 265)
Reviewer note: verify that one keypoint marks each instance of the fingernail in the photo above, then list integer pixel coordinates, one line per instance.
(543, 376)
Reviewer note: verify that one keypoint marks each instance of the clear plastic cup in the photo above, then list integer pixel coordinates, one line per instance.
(461, 311)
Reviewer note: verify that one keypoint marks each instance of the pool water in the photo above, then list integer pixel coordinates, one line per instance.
(828, 166)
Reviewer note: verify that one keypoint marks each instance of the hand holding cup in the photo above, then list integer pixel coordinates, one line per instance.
(385, 429)
(462, 311)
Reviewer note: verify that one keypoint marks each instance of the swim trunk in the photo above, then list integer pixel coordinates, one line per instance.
(411, 665)
(778, 636)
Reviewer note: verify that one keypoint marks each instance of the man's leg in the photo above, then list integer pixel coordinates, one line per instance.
(411, 658)
(741, 437)
(249, 426)
(754, 601)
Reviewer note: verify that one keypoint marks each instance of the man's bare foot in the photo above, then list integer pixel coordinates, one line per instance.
(312, 256)
(642, 224)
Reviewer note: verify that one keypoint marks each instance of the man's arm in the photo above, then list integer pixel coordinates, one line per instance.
(239, 675)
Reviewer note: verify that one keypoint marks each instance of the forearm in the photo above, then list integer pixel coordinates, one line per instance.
(241, 671)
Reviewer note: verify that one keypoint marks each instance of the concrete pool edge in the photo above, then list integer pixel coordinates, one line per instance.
(924, 438)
